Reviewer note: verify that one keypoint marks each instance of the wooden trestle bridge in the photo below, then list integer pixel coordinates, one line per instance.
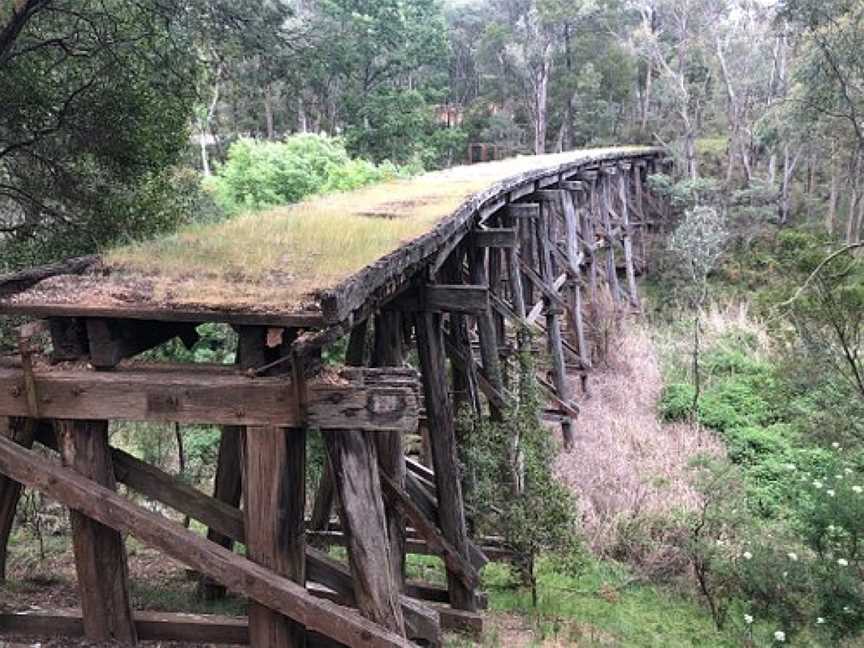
(529, 251)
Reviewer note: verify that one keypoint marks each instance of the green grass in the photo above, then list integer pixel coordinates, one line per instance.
(277, 258)
(603, 606)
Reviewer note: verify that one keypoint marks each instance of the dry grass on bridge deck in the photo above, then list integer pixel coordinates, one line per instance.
(282, 261)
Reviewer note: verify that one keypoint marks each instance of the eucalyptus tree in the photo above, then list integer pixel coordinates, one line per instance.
(679, 52)
(829, 93)
(94, 105)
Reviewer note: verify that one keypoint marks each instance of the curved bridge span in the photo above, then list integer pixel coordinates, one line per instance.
(474, 265)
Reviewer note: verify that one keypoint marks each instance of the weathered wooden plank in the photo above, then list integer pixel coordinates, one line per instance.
(20, 431)
(462, 621)
(573, 185)
(438, 298)
(413, 545)
(68, 339)
(100, 555)
(486, 330)
(227, 491)
(467, 363)
(325, 494)
(388, 350)
(274, 498)
(573, 234)
(288, 320)
(151, 626)
(436, 541)
(491, 207)
(466, 393)
(171, 491)
(439, 411)
(237, 573)
(16, 282)
(522, 210)
(633, 290)
(499, 237)
(521, 192)
(421, 622)
(158, 485)
(111, 341)
(548, 289)
(422, 496)
(553, 327)
(547, 195)
(355, 471)
(135, 394)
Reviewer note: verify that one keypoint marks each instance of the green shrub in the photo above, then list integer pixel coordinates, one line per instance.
(265, 174)
(676, 401)
(737, 401)
(737, 360)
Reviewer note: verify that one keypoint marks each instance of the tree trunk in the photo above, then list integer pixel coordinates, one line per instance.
(831, 214)
(541, 96)
(268, 111)
(690, 154)
(302, 124)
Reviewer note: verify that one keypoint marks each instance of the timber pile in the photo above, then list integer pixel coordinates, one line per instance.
(529, 247)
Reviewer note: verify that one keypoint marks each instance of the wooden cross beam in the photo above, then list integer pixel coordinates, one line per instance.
(185, 394)
(494, 238)
(440, 298)
(237, 573)
(111, 341)
(547, 195)
(523, 210)
(454, 560)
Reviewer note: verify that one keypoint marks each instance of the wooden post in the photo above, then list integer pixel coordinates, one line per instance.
(553, 328)
(325, 495)
(274, 496)
(388, 352)
(355, 470)
(640, 210)
(439, 412)
(628, 241)
(21, 431)
(466, 390)
(611, 268)
(573, 236)
(590, 230)
(496, 277)
(227, 488)
(486, 328)
(100, 556)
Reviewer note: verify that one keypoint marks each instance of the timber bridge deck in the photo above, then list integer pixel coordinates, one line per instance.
(506, 247)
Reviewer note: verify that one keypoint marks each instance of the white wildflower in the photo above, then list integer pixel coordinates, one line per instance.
(780, 636)
(820, 620)
(830, 492)
(835, 445)
(793, 556)
(842, 562)
(857, 490)
(817, 484)
(790, 466)
(747, 555)
(848, 471)
(748, 619)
